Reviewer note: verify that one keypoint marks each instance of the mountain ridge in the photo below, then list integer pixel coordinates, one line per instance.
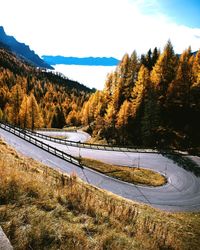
(87, 61)
(21, 50)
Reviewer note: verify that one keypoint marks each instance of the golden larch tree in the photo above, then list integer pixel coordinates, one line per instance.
(36, 120)
(24, 116)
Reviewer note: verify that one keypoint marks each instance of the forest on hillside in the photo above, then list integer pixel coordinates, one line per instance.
(33, 98)
(152, 100)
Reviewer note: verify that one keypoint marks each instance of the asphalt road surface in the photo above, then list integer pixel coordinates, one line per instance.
(181, 193)
(78, 136)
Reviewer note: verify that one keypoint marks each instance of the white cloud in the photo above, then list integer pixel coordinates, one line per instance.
(93, 27)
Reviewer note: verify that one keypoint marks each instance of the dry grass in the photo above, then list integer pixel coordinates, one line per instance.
(41, 208)
(94, 140)
(59, 137)
(129, 174)
(70, 129)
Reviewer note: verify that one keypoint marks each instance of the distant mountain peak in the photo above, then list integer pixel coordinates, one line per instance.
(21, 50)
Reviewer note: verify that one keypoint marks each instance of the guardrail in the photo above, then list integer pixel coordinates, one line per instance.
(24, 134)
(89, 145)
(95, 146)
(104, 147)
(57, 130)
(92, 146)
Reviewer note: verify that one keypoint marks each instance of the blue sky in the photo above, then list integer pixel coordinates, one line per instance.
(185, 12)
(102, 27)
(182, 12)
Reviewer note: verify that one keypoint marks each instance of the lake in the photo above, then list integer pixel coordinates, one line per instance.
(91, 76)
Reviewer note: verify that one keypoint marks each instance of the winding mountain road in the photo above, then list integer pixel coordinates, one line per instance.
(181, 193)
(76, 136)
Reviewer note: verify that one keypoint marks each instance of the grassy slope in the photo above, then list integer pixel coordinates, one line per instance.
(41, 208)
(129, 174)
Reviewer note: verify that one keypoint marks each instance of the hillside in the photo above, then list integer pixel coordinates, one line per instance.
(21, 50)
(54, 99)
(41, 208)
(149, 101)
